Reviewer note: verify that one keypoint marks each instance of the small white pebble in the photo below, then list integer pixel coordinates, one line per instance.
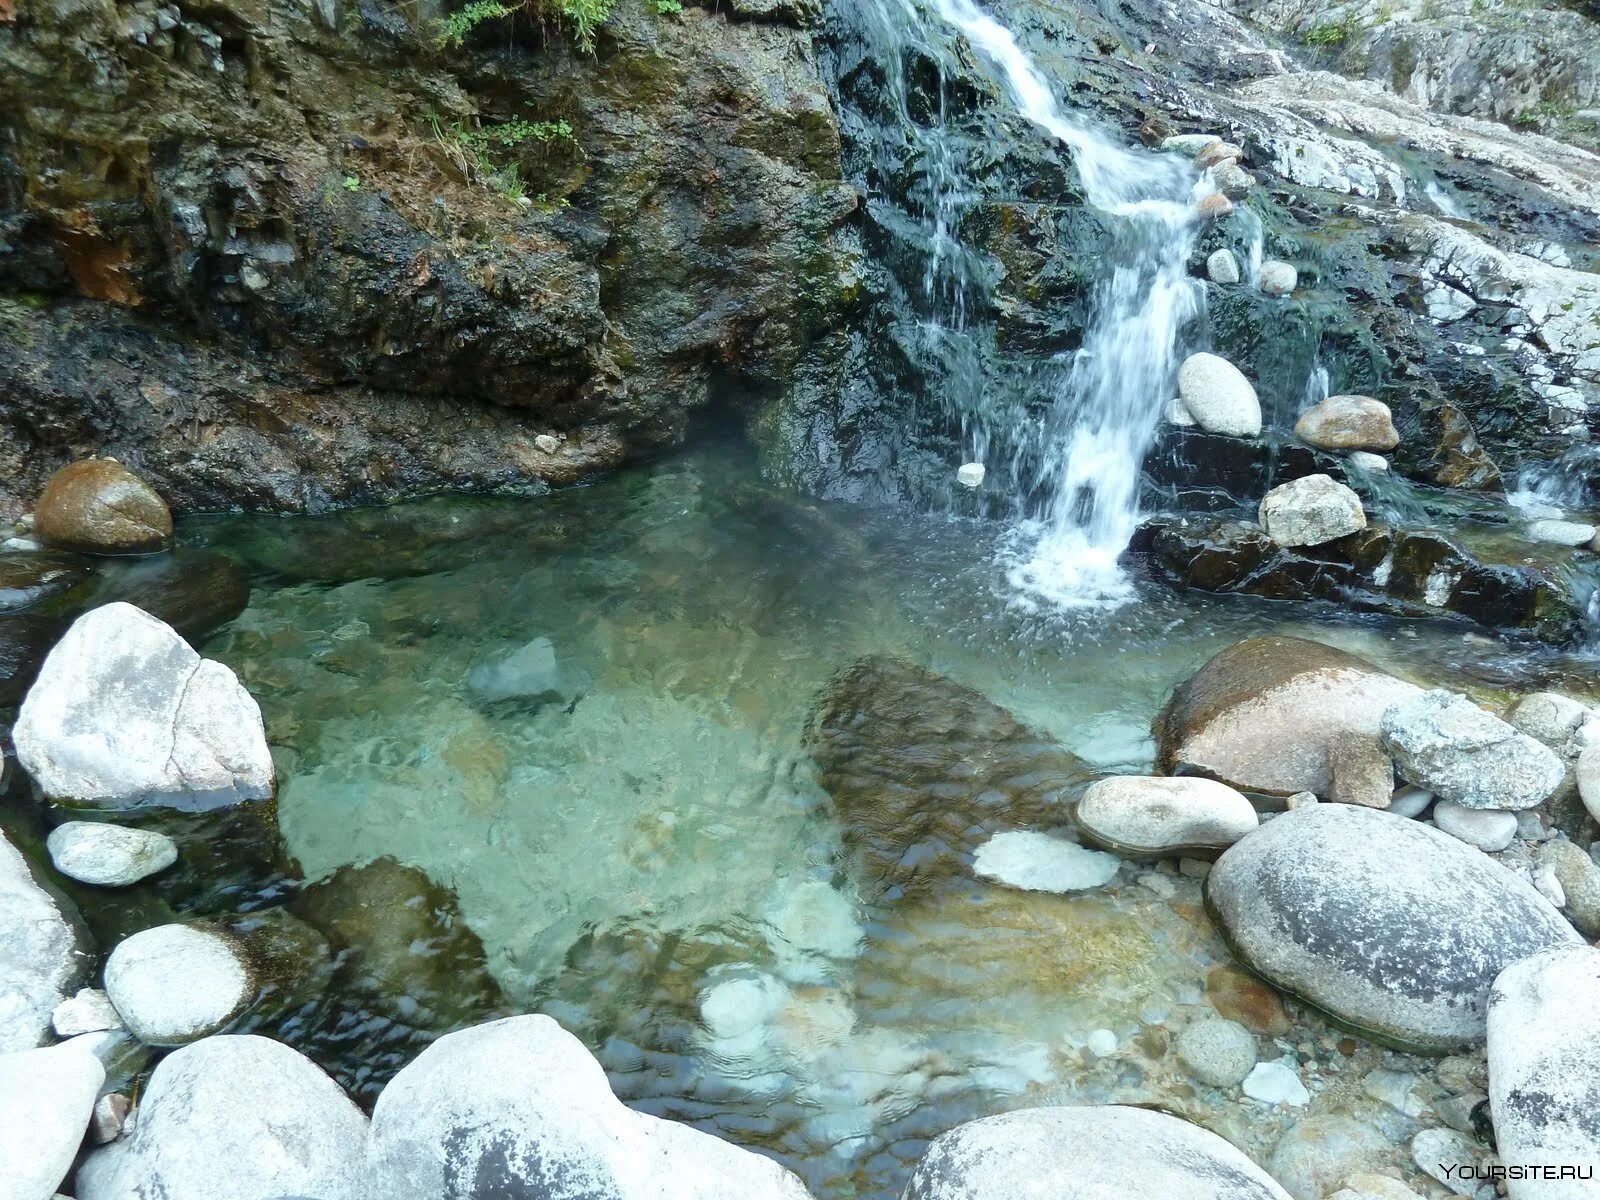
(1102, 1043)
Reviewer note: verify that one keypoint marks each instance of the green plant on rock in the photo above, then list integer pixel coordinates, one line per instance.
(1331, 33)
(477, 150)
(582, 17)
(667, 7)
(352, 183)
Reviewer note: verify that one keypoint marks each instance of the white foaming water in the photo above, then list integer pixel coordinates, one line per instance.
(1106, 414)
(1444, 201)
(1316, 386)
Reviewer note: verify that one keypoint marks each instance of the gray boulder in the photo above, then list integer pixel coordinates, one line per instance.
(124, 711)
(1277, 278)
(1218, 396)
(41, 960)
(1311, 510)
(175, 983)
(1280, 715)
(1460, 752)
(1544, 1069)
(519, 1109)
(1155, 816)
(234, 1118)
(109, 855)
(1392, 927)
(1101, 1153)
(46, 1099)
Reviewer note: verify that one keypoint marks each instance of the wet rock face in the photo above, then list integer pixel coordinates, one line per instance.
(1108, 1153)
(1390, 926)
(314, 210)
(923, 770)
(1280, 715)
(100, 505)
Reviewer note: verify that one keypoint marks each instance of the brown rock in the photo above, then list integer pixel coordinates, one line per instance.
(1348, 423)
(1244, 998)
(1216, 154)
(1215, 205)
(100, 505)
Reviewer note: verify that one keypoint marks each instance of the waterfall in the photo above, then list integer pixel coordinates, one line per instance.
(1108, 405)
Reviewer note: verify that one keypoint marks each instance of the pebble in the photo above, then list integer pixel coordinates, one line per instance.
(1179, 415)
(1490, 830)
(1549, 886)
(1217, 1052)
(1217, 153)
(970, 474)
(547, 443)
(1275, 1083)
(1435, 1149)
(110, 1114)
(109, 855)
(1579, 878)
(1215, 205)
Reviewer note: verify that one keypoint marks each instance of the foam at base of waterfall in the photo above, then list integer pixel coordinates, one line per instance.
(1054, 567)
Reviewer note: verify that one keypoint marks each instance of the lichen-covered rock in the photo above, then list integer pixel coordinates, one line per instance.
(923, 770)
(1544, 1070)
(1311, 510)
(1390, 926)
(98, 504)
(1154, 816)
(1099, 1153)
(124, 712)
(234, 1118)
(176, 983)
(1218, 396)
(1442, 741)
(41, 959)
(1279, 715)
(519, 1107)
(1348, 423)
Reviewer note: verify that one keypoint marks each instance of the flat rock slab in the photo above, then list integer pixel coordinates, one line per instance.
(1101, 1153)
(1390, 926)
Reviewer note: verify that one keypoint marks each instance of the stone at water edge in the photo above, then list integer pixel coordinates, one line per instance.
(1311, 510)
(41, 960)
(235, 1118)
(1232, 180)
(1157, 816)
(1223, 267)
(1463, 753)
(1490, 830)
(970, 475)
(1105, 1152)
(176, 983)
(1549, 717)
(1217, 153)
(88, 1011)
(1213, 206)
(1277, 278)
(1189, 143)
(1579, 878)
(1220, 1053)
(1392, 927)
(1275, 715)
(46, 1099)
(1218, 396)
(1544, 1068)
(1275, 1083)
(123, 711)
(1364, 460)
(519, 1107)
(1178, 415)
(109, 855)
(1348, 423)
(100, 505)
(1560, 533)
(1037, 862)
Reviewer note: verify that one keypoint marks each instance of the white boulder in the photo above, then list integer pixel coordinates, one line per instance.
(89, 1011)
(1560, 533)
(46, 1099)
(1222, 266)
(1444, 742)
(109, 855)
(1218, 396)
(234, 1118)
(1156, 816)
(1276, 1083)
(40, 958)
(124, 711)
(519, 1107)
(175, 983)
(1311, 510)
(1277, 278)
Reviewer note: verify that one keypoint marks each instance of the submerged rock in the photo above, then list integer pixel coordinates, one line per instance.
(1107, 1153)
(519, 1107)
(1544, 1069)
(124, 712)
(234, 1118)
(1218, 396)
(109, 855)
(30, 579)
(1217, 1052)
(194, 591)
(100, 505)
(176, 983)
(1037, 862)
(1275, 1083)
(1560, 533)
(1462, 753)
(1156, 816)
(1279, 715)
(1392, 927)
(40, 958)
(1348, 423)
(25, 640)
(923, 770)
(1311, 510)
(46, 1099)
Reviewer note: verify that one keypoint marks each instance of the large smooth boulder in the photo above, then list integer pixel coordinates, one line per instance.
(1544, 1069)
(518, 1109)
(100, 505)
(1218, 396)
(46, 1099)
(1101, 1153)
(1151, 816)
(1344, 423)
(234, 1118)
(1387, 924)
(109, 855)
(1311, 510)
(176, 983)
(124, 712)
(1444, 742)
(924, 770)
(41, 961)
(1280, 715)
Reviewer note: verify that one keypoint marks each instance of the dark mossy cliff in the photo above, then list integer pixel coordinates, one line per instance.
(242, 247)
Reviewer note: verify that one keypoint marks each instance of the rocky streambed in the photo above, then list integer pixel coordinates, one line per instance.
(681, 797)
